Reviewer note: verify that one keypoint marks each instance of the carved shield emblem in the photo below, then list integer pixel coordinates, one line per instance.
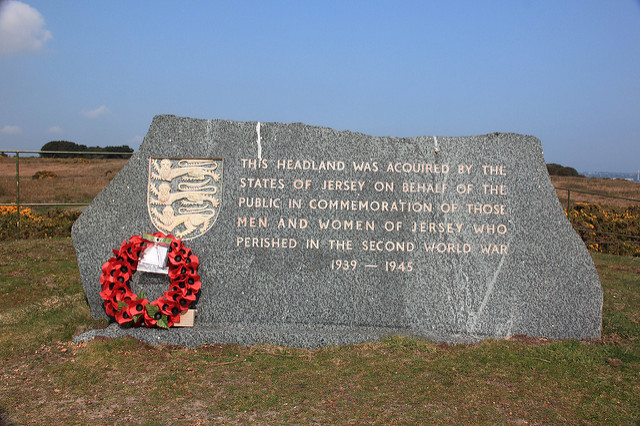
(184, 196)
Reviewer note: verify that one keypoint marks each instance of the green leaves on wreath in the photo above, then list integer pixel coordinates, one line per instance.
(163, 322)
(152, 309)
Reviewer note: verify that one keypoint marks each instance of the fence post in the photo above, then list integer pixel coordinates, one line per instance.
(18, 191)
(568, 200)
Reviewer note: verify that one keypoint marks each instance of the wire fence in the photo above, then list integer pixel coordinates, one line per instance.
(73, 154)
(619, 237)
(580, 191)
(602, 240)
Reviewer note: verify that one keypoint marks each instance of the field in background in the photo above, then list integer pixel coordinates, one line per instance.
(47, 379)
(617, 187)
(77, 180)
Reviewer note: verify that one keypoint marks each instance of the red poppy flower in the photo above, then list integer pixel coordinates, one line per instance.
(128, 296)
(177, 257)
(152, 314)
(136, 239)
(107, 266)
(120, 272)
(190, 296)
(185, 258)
(155, 317)
(137, 309)
(130, 256)
(185, 301)
(166, 304)
(175, 244)
(122, 269)
(126, 246)
(122, 293)
(106, 294)
(193, 282)
(123, 316)
(173, 303)
(110, 286)
(131, 251)
(192, 261)
(189, 286)
(111, 308)
(103, 280)
(184, 283)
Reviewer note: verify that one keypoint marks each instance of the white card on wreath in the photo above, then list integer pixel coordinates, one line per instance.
(154, 259)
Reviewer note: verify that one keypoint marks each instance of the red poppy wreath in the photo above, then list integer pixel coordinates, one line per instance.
(130, 309)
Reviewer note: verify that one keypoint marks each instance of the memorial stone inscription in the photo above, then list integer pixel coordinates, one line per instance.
(309, 236)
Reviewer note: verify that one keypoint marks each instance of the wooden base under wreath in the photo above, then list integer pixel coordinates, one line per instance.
(187, 318)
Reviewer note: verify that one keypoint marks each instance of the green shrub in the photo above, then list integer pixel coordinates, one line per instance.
(559, 170)
(68, 150)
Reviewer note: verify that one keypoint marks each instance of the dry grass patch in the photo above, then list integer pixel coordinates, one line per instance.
(617, 187)
(78, 180)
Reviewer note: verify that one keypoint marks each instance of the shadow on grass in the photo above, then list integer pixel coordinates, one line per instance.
(4, 418)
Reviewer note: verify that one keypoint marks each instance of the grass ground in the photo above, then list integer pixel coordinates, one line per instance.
(47, 379)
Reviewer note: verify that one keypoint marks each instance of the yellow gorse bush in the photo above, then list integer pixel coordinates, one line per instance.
(608, 229)
(55, 223)
(24, 211)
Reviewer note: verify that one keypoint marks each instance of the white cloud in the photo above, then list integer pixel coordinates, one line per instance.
(95, 113)
(21, 28)
(10, 130)
(55, 129)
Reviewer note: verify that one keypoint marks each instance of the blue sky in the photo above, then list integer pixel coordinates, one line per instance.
(95, 73)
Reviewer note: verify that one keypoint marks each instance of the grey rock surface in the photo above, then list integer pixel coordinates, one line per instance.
(454, 239)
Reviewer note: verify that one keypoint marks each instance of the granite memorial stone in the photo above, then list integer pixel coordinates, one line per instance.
(310, 236)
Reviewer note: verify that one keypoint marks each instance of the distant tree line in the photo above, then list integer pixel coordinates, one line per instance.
(558, 170)
(80, 149)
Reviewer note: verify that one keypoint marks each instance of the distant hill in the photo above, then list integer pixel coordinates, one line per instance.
(558, 170)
